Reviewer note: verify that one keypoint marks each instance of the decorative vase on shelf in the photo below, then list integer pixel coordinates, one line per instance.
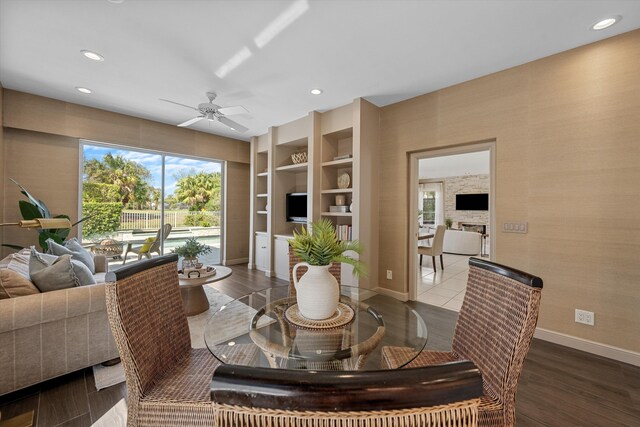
(317, 291)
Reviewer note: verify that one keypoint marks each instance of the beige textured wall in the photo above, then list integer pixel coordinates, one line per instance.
(568, 162)
(237, 213)
(1, 167)
(46, 165)
(42, 153)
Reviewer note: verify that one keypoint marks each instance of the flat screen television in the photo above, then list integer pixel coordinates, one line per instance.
(296, 207)
(472, 202)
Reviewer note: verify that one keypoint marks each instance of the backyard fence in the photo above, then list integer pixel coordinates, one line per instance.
(134, 220)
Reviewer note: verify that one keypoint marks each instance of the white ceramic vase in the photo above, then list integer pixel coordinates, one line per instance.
(317, 291)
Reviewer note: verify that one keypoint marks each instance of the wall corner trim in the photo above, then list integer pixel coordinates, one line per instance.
(402, 296)
(235, 261)
(604, 350)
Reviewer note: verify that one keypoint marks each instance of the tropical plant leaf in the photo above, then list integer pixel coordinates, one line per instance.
(16, 247)
(48, 234)
(321, 246)
(44, 211)
(28, 210)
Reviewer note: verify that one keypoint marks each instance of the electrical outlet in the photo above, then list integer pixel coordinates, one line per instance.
(585, 317)
(389, 275)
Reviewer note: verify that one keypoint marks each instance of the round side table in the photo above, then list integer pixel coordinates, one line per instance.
(194, 299)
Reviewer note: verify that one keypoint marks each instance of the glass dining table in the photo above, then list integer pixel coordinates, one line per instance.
(268, 325)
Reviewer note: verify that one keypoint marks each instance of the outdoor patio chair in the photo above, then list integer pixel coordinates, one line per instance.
(153, 245)
(444, 396)
(494, 331)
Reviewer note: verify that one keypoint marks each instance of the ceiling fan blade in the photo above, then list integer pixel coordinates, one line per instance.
(190, 122)
(229, 111)
(177, 103)
(233, 125)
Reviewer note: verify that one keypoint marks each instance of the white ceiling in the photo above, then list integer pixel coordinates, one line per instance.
(454, 165)
(382, 50)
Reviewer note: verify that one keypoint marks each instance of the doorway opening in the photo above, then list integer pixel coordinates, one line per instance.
(453, 190)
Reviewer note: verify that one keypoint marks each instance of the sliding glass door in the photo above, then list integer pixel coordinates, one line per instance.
(192, 202)
(142, 201)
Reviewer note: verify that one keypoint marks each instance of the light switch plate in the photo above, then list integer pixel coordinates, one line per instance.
(515, 227)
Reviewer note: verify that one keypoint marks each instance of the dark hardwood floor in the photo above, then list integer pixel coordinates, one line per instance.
(558, 387)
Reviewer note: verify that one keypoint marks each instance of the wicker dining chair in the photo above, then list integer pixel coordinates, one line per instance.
(443, 396)
(494, 331)
(167, 380)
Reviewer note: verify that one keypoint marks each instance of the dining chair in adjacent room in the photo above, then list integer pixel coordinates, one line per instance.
(494, 330)
(443, 396)
(435, 249)
(167, 380)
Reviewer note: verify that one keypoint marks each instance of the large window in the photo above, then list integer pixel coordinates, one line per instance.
(429, 208)
(128, 196)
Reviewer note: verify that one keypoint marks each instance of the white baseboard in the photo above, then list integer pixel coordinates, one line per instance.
(402, 296)
(236, 261)
(251, 266)
(604, 350)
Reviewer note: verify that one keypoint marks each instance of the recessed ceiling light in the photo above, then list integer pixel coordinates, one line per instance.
(92, 55)
(83, 89)
(606, 23)
(116, 1)
(316, 91)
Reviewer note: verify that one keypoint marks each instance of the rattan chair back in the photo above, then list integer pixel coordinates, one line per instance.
(444, 396)
(147, 320)
(495, 327)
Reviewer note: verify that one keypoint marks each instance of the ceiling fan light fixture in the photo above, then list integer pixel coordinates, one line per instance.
(316, 91)
(606, 23)
(92, 55)
(83, 89)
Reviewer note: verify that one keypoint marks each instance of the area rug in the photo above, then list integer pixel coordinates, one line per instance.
(106, 376)
(114, 417)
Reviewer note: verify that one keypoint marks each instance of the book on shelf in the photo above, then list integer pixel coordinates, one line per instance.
(344, 232)
(342, 157)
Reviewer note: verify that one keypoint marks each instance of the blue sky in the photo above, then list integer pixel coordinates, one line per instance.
(173, 165)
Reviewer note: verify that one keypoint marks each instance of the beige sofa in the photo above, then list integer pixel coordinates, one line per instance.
(49, 334)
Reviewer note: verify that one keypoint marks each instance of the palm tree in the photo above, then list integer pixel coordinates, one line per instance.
(200, 190)
(130, 177)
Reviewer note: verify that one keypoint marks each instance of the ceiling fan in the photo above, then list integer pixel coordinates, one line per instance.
(212, 112)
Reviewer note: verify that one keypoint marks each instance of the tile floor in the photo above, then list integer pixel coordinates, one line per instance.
(444, 288)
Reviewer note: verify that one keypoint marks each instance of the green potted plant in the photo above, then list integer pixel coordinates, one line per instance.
(37, 209)
(317, 291)
(448, 222)
(190, 252)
